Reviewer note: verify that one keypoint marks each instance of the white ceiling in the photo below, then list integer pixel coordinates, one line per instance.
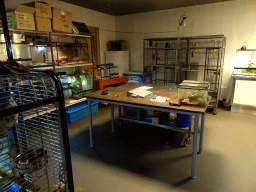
(124, 7)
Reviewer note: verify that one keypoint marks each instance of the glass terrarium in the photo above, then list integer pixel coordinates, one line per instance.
(71, 54)
(75, 85)
(245, 62)
(193, 93)
(41, 55)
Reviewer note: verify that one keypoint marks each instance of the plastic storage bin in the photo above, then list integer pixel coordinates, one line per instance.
(183, 120)
(137, 77)
(80, 110)
(193, 92)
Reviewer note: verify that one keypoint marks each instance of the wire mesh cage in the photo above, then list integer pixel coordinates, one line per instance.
(34, 146)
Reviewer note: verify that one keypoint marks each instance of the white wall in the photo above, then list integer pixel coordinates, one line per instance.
(234, 19)
(79, 14)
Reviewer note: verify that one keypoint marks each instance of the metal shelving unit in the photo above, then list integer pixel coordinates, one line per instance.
(61, 53)
(172, 60)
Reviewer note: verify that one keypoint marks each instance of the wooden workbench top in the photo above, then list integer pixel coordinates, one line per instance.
(120, 95)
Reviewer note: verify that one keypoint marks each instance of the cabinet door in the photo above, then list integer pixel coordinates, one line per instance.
(245, 92)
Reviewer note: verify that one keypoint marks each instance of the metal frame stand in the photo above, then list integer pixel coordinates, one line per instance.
(196, 126)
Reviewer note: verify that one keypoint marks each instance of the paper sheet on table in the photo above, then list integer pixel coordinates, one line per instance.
(138, 92)
(160, 99)
(145, 87)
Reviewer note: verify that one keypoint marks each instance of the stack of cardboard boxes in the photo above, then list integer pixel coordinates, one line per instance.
(40, 16)
(21, 18)
(61, 21)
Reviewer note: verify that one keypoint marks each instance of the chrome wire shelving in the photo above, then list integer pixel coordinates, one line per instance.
(172, 60)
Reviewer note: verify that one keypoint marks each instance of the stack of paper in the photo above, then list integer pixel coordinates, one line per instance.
(138, 93)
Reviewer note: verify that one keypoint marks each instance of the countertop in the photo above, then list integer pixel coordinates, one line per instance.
(244, 77)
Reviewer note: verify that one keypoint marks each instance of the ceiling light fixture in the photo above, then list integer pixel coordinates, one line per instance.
(182, 20)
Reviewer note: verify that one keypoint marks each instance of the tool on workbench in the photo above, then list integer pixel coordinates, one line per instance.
(104, 92)
(173, 104)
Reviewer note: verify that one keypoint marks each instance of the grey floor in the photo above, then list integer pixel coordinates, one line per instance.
(144, 158)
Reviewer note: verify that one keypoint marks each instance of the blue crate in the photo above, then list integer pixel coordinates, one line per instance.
(138, 77)
(80, 110)
(183, 120)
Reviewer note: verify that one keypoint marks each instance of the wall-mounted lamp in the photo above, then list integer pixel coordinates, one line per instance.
(182, 20)
(244, 46)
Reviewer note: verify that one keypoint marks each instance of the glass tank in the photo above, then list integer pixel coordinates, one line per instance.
(76, 84)
(245, 62)
(41, 55)
(21, 53)
(71, 51)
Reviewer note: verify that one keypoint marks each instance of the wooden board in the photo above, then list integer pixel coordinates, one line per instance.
(120, 95)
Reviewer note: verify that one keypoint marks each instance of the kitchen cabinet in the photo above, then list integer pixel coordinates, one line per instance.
(245, 91)
(243, 99)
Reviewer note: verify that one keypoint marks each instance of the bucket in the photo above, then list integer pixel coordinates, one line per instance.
(183, 120)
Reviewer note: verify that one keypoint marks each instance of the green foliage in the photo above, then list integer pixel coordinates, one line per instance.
(248, 70)
(200, 94)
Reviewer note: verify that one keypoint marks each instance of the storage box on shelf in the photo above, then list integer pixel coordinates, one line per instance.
(43, 24)
(21, 18)
(80, 28)
(119, 45)
(61, 21)
(42, 9)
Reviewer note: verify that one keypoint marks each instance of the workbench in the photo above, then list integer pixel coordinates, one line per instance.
(118, 96)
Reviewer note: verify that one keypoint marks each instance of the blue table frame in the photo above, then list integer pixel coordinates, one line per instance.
(117, 101)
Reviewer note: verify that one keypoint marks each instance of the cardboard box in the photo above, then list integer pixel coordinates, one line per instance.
(155, 120)
(43, 24)
(42, 9)
(61, 21)
(21, 18)
(120, 45)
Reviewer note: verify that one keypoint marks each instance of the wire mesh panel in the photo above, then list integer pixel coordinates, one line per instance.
(32, 156)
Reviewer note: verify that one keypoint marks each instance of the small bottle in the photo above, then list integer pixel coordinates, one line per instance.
(173, 119)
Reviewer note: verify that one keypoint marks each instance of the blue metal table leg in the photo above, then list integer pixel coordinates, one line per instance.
(202, 134)
(112, 118)
(90, 122)
(190, 126)
(120, 114)
(194, 153)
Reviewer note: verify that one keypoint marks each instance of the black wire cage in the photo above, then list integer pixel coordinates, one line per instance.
(34, 144)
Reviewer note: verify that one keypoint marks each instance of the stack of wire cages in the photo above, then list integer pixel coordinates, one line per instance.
(34, 145)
